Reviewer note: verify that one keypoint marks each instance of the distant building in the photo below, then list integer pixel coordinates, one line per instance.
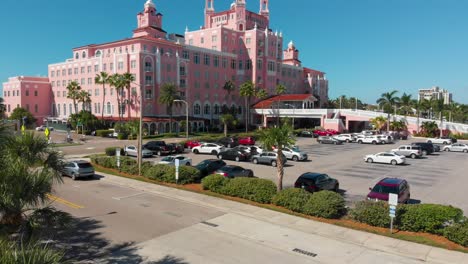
(435, 93)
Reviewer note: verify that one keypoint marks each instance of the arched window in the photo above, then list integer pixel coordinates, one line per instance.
(207, 109)
(83, 55)
(109, 110)
(98, 53)
(70, 107)
(216, 109)
(196, 109)
(77, 56)
(58, 109)
(64, 109)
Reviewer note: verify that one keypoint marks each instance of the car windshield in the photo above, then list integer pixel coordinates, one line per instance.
(168, 159)
(296, 149)
(85, 165)
(204, 163)
(385, 189)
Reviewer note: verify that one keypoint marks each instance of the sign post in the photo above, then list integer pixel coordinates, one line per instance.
(117, 155)
(392, 202)
(177, 164)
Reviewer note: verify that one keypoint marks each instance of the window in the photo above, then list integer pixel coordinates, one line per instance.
(96, 92)
(196, 58)
(36, 108)
(70, 71)
(202, 40)
(148, 80)
(196, 109)
(259, 64)
(104, 67)
(64, 109)
(35, 93)
(207, 86)
(27, 107)
(52, 74)
(207, 109)
(185, 54)
(111, 66)
(148, 94)
(216, 61)
(89, 69)
(248, 40)
(99, 108)
(64, 93)
(58, 109)
(64, 72)
(216, 109)
(133, 64)
(109, 109)
(27, 92)
(70, 107)
(112, 91)
(82, 81)
(224, 63)
(90, 81)
(190, 41)
(214, 38)
(120, 65)
(95, 108)
(241, 66)
(96, 68)
(233, 64)
(248, 65)
(148, 66)
(207, 59)
(82, 69)
(182, 70)
(75, 71)
(182, 83)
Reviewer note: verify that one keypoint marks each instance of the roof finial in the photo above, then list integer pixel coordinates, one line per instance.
(186, 29)
(255, 27)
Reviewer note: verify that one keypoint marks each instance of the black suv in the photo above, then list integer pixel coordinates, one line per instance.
(228, 142)
(313, 182)
(427, 148)
(209, 166)
(158, 147)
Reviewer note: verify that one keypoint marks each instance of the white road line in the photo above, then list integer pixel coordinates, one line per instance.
(129, 196)
(91, 148)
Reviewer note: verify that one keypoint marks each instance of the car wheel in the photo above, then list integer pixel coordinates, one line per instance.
(394, 162)
(214, 152)
(336, 188)
(126, 153)
(445, 143)
(229, 145)
(336, 143)
(424, 152)
(295, 158)
(196, 151)
(320, 142)
(359, 142)
(188, 164)
(273, 163)
(374, 142)
(413, 156)
(250, 175)
(369, 160)
(255, 161)
(347, 141)
(429, 141)
(220, 157)
(465, 150)
(73, 176)
(159, 153)
(446, 149)
(237, 159)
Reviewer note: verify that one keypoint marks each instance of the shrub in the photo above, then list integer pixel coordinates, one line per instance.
(293, 199)
(458, 233)
(326, 204)
(254, 189)
(431, 218)
(214, 182)
(103, 133)
(111, 151)
(156, 172)
(372, 213)
(166, 173)
(122, 136)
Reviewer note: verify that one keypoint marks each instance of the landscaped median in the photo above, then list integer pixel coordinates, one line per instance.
(435, 225)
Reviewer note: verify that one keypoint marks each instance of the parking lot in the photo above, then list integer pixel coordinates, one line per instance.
(438, 178)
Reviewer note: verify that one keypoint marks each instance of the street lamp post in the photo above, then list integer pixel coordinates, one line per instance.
(294, 111)
(140, 130)
(186, 116)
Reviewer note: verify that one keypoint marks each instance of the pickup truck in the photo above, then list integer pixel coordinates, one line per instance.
(409, 151)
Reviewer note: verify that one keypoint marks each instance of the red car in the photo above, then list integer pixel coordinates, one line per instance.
(191, 144)
(324, 133)
(390, 185)
(247, 141)
(332, 132)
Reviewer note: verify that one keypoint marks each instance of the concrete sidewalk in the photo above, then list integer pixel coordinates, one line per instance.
(344, 237)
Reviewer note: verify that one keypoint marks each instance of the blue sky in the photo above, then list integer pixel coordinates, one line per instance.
(366, 47)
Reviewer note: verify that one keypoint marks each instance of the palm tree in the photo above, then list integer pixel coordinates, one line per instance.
(169, 93)
(102, 78)
(73, 89)
(247, 90)
(406, 104)
(378, 122)
(229, 87)
(116, 80)
(226, 119)
(2, 107)
(439, 106)
(426, 106)
(280, 136)
(127, 80)
(387, 101)
(418, 106)
(430, 128)
(84, 98)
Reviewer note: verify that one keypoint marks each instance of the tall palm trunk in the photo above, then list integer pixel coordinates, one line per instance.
(119, 108)
(417, 121)
(246, 115)
(279, 165)
(225, 129)
(388, 122)
(103, 101)
(170, 117)
(441, 121)
(75, 106)
(128, 104)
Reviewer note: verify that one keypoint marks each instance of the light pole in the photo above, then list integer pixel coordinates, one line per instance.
(294, 111)
(140, 128)
(186, 115)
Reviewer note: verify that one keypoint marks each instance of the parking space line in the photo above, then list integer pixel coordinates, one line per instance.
(129, 196)
(64, 202)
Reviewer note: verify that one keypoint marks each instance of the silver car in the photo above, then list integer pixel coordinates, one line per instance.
(267, 158)
(457, 147)
(78, 169)
(132, 151)
(294, 153)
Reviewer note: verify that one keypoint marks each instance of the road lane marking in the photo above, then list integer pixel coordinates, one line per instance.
(129, 196)
(64, 202)
(91, 148)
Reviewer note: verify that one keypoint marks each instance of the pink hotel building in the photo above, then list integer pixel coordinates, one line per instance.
(235, 44)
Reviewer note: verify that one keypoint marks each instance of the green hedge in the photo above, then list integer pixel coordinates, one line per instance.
(254, 189)
(293, 199)
(431, 218)
(372, 213)
(326, 204)
(122, 136)
(458, 233)
(103, 133)
(111, 151)
(214, 182)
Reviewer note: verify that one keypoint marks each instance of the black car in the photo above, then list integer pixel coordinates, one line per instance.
(209, 166)
(328, 140)
(234, 154)
(305, 134)
(158, 147)
(313, 182)
(228, 142)
(176, 148)
(232, 171)
(427, 148)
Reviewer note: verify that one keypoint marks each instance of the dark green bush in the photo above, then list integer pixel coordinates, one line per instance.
(293, 199)
(372, 213)
(254, 189)
(122, 136)
(458, 233)
(103, 133)
(214, 182)
(326, 204)
(111, 151)
(431, 218)
(166, 173)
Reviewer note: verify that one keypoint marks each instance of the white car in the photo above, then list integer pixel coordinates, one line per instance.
(208, 148)
(445, 141)
(385, 139)
(133, 151)
(369, 140)
(385, 157)
(257, 149)
(170, 160)
(294, 153)
(42, 128)
(345, 137)
(457, 147)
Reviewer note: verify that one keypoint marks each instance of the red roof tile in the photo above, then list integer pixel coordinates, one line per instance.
(285, 97)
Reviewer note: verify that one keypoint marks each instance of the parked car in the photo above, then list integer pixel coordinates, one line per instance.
(234, 154)
(305, 133)
(209, 166)
(385, 157)
(232, 171)
(386, 139)
(294, 153)
(322, 133)
(133, 151)
(42, 128)
(242, 148)
(254, 150)
(313, 182)
(332, 132)
(228, 142)
(176, 148)
(78, 169)
(454, 140)
(192, 143)
(345, 137)
(369, 140)
(390, 185)
(247, 141)
(427, 148)
(445, 141)
(113, 133)
(369, 132)
(457, 147)
(208, 148)
(170, 160)
(408, 151)
(267, 158)
(328, 140)
(158, 147)
(436, 147)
